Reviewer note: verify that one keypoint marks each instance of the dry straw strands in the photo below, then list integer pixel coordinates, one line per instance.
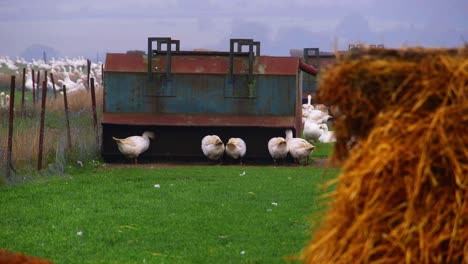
(403, 137)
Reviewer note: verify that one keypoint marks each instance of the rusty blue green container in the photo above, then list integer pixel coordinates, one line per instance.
(184, 95)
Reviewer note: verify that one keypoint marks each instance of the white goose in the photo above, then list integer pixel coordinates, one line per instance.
(306, 108)
(78, 86)
(311, 131)
(67, 81)
(299, 148)
(327, 136)
(212, 147)
(28, 84)
(236, 148)
(132, 147)
(7, 101)
(278, 148)
(317, 116)
(2, 100)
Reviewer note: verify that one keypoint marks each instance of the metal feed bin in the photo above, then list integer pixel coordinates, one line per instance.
(184, 95)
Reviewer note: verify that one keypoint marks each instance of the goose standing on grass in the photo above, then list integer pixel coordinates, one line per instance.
(2, 100)
(317, 116)
(28, 84)
(67, 81)
(132, 147)
(278, 148)
(308, 106)
(327, 136)
(7, 101)
(321, 107)
(311, 131)
(299, 148)
(213, 147)
(236, 148)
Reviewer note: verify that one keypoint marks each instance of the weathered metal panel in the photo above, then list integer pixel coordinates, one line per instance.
(125, 93)
(198, 94)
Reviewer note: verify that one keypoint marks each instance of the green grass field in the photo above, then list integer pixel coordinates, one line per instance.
(188, 214)
(205, 214)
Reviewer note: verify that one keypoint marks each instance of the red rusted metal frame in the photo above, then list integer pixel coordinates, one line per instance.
(263, 65)
(202, 53)
(65, 103)
(198, 120)
(10, 126)
(93, 104)
(41, 127)
(102, 74)
(308, 68)
(298, 107)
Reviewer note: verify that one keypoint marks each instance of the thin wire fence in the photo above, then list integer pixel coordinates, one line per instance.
(56, 155)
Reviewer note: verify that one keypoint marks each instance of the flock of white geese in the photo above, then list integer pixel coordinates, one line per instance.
(69, 72)
(314, 120)
(315, 130)
(214, 149)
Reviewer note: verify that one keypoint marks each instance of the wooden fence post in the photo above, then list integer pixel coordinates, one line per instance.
(33, 87)
(53, 85)
(41, 132)
(10, 126)
(88, 64)
(93, 104)
(22, 90)
(38, 82)
(65, 103)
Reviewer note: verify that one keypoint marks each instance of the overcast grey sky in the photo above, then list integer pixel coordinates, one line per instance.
(88, 27)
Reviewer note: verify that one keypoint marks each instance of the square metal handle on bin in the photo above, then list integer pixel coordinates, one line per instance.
(316, 55)
(151, 53)
(240, 43)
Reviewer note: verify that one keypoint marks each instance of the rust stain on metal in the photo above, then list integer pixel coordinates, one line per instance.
(261, 68)
(200, 69)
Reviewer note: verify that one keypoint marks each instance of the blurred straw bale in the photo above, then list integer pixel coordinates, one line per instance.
(402, 139)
